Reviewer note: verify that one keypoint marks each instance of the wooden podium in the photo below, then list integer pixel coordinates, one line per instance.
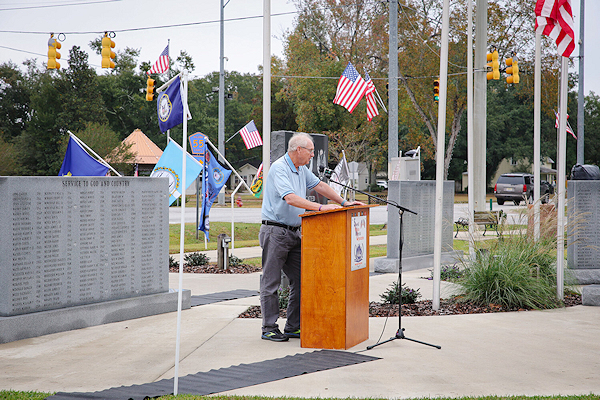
(334, 310)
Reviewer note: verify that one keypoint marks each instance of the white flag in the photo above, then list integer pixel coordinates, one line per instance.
(341, 174)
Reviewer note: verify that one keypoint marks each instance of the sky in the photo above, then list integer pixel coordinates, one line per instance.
(243, 35)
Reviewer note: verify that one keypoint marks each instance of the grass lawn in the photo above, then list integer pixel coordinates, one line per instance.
(13, 395)
(246, 235)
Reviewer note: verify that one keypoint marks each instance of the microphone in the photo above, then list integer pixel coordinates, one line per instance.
(326, 172)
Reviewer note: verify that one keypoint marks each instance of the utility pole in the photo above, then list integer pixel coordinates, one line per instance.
(221, 129)
(393, 86)
(479, 108)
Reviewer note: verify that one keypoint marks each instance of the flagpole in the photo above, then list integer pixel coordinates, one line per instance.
(100, 159)
(561, 184)
(182, 229)
(439, 176)
(536, 134)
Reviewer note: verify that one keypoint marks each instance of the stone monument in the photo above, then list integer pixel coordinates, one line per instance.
(583, 237)
(80, 251)
(417, 250)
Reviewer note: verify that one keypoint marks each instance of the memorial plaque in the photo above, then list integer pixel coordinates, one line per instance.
(80, 240)
(583, 229)
(419, 230)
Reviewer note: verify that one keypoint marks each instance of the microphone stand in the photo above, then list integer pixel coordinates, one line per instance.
(401, 210)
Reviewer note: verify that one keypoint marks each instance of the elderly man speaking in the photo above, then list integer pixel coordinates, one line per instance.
(284, 199)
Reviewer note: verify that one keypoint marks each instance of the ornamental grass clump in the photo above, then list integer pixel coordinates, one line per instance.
(514, 273)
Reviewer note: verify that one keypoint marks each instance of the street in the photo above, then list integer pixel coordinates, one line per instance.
(378, 214)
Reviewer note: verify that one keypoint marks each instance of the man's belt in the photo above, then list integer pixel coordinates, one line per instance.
(291, 228)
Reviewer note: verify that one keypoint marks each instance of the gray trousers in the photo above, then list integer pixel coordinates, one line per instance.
(280, 251)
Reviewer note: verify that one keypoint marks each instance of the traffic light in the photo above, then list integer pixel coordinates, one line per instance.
(512, 69)
(53, 54)
(107, 54)
(494, 65)
(436, 90)
(150, 89)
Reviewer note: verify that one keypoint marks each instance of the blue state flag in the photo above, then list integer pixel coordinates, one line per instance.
(170, 107)
(215, 176)
(169, 166)
(78, 162)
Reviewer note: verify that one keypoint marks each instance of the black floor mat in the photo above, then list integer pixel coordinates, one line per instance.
(203, 299)
(234, 377)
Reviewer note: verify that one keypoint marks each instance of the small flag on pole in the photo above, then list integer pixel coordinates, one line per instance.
(215, 177)
(162, 64)
(250, 135)
(370, 97)
(557, 124)
(351, 88)
(170, 106)
(78, 162)
(257, 182)
(341, 174)
(170, 166)
(554, 18)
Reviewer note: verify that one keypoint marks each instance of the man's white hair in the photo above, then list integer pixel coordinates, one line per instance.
(299, 139)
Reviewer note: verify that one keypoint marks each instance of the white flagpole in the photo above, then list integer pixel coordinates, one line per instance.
(470, 155)
(182, 232)
(560, 178)
(536, 134)
(266, 153)
(100, 159)
(439, 176)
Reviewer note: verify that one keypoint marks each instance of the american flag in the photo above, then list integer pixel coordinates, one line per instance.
(351, 88)
(554, 18)
(162, 64)
(557, 122)
(370, 96)
(250, 135)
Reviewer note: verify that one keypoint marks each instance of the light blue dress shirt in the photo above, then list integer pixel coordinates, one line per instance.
(283, 178)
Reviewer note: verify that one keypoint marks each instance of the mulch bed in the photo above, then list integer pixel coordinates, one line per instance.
(420, 308)
(423, 308)
(212, 269)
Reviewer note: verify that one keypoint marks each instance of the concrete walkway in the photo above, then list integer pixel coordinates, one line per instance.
(517, 353)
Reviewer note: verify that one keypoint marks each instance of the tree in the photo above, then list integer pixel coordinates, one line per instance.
(14, 101)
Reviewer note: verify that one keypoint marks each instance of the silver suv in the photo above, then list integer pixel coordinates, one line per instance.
(514, 187)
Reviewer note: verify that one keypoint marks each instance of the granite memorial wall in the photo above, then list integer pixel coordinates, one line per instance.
(69, 241)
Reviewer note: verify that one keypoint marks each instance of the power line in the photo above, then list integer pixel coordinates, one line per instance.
(58, 5)
(153, 27)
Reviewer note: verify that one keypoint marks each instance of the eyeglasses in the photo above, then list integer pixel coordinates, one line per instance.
(311, 151)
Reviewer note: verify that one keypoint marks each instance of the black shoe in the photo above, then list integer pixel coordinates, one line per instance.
(274, 335)
(293, 334)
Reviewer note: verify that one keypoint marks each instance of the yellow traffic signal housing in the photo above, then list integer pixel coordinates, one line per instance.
(494, 65)
(53, 54)
(107, 54)
(436, 90)
(150, 89)
(512, 69)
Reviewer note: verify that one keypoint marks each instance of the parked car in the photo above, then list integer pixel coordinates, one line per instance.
(382, 183)
(514, 187)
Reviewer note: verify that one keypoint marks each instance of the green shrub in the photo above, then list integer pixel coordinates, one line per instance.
(196, 259)
(284, 297)
(235, 261)
(450, 273)
(173, 263)
(516, 272)
(391, 295)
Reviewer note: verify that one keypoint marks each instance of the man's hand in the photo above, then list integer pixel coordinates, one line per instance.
(354, 203)
(327, 207)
